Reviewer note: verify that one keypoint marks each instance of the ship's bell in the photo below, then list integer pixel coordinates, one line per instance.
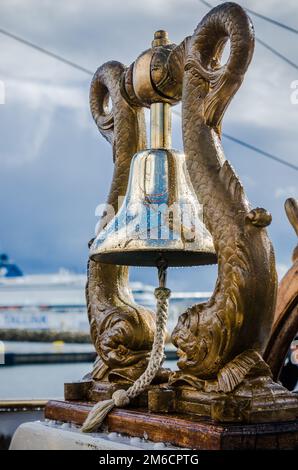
(160, 216)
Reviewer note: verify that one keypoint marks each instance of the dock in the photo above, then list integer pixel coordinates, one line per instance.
(58, 352)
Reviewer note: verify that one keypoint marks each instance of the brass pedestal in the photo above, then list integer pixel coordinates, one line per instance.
(185, 417)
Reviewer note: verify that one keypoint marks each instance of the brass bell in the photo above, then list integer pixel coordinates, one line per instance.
(160, 216)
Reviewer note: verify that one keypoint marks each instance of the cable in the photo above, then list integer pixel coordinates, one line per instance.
(261, 152)
(255, 149)
(270, 20)
(207, 4)
(278, 54)
(267, 18)
(263, 43)
(45, 51)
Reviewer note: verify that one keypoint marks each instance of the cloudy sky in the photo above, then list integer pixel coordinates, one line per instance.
(55, 167)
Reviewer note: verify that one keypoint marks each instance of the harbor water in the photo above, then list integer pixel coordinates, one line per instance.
(44, 381)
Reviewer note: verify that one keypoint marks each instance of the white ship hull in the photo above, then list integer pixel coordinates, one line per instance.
(57, 302)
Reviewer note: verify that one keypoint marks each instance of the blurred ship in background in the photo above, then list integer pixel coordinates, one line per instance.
(57, 301)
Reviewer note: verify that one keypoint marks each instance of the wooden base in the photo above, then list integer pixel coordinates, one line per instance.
(181, 430)
(258, 400)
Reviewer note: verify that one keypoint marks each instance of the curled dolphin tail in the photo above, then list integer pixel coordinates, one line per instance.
(121, 330)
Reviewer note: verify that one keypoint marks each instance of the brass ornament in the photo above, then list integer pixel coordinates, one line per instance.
(160, 216)
(220, 343)
(121, 331)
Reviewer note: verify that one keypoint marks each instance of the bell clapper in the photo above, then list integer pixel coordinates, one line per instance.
(162, 266)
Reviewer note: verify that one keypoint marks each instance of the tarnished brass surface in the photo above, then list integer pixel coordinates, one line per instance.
(220, 342)
(24, 405)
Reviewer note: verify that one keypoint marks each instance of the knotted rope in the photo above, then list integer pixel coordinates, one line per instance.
(121, 398)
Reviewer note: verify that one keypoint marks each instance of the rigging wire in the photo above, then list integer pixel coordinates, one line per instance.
(45, 51)
(254, 149)
(263, 43)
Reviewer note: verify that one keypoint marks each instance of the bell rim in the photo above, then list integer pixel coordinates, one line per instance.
(149, 258)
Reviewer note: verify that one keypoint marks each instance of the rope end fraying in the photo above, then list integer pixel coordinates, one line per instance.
(98, 413)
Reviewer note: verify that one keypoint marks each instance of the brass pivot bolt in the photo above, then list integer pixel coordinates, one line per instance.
(161, 38)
